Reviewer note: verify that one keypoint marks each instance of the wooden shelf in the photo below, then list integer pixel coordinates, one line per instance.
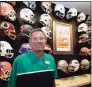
(74, 81)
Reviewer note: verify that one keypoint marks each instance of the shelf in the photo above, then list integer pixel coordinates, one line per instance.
(74, 81)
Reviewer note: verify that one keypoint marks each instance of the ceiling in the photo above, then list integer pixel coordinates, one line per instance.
(81, 6)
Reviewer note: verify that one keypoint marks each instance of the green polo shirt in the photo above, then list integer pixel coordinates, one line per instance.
(30, 63)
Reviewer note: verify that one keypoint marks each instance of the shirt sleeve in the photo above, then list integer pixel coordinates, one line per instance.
(13, 74)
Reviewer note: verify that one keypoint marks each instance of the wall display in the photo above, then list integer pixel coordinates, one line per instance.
(62, 38)
(59, 10)
(65, 37)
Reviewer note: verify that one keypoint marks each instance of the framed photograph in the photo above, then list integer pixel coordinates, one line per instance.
(62, 38)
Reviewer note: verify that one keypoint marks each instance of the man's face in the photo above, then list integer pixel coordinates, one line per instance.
(37, 41)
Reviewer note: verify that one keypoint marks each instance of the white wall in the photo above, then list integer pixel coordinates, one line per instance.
(83, 6)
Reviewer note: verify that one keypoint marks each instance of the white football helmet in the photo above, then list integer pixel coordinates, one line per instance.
(84, 64)
(62, 65)
(47, 31)
(46, 6)
(71, 13)
(82, 27)
(73, 65)
(81, 17)
(5, 49)
(27, 15)
(7, 11)
(45, 20)
(59, 10)
(30, 4)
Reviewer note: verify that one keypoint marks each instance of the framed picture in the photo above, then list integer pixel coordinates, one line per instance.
(62, 38)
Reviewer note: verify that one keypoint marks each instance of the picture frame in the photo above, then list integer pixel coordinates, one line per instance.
(62, 38)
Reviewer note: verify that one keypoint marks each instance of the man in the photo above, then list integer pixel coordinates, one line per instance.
(34, 68)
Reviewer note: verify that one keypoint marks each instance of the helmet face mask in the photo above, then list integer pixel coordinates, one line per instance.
(6, 49)
(59, 10)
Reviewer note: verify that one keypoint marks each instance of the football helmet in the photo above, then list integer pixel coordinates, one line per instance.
(30, 4)
(48, 49)
(8, 29)
(27, 15)
(85, 51)
(62, 65)
(82, 27)
(88, 21)
(81, 17)
(71, 13)
(73, 65)
(7, 11)
(6, 49)
(84, 65)
(47, 31)
(83, 38)
(45, 20)
(25, 47)
(46, 6)
(5, 68)
(25, 29)
(59, 10)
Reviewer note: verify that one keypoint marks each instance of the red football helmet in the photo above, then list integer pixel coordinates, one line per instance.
(8, 29)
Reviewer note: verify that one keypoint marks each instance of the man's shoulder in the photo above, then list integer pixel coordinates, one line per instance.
(21, 56)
